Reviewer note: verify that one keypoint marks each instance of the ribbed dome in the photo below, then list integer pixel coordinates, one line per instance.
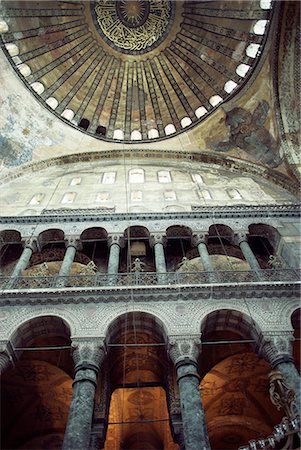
(134, 70)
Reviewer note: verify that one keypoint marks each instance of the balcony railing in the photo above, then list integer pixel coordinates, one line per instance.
(151, 279)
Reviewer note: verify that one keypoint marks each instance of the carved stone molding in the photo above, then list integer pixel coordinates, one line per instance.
(116, 239)
(276, 347)
(73, 241)
(198, 238)
(184, 348)
(157, 239)
(88, 353)
(31, 243)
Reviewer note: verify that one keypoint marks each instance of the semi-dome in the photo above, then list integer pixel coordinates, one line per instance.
(134, 70)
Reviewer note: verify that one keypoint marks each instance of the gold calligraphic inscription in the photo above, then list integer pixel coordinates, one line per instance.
(133, 25)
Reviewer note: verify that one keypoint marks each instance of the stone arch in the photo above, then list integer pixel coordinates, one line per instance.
(136, 241)
(179, 248)
(10, 249)
(94, 244)
(51, 235)
(221, 242)
(264, 240)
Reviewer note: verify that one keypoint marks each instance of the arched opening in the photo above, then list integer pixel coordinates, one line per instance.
(101, 130)
(95, 246)
(235, 384)
(264, 240)
(36, 393)
(138, 414)
(179, 250)
(137, 254)
(10, 250)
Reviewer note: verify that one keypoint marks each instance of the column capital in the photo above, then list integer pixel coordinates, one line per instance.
(184, 349)
(276, 346)
(73, 241)
(116, 239)
(31, 243)
(6, 358)
(88, 353)
(281, 395)
(241, 236)
(157, 239)
(198, 238)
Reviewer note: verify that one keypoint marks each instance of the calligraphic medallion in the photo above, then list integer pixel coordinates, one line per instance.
(133, 26)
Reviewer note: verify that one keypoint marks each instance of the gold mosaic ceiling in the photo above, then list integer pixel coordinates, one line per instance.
(134, 70)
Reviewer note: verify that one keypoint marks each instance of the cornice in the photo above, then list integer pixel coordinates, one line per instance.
(141, 294)
(199, 212)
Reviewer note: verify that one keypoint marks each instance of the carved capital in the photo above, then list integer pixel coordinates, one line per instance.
(184, 348)
(116, 239)
(31, 243)
(276, 347)
(88, 353)
(6, 359)
(281, 395)
(198, 238)
(157, 239)
(73, 241)
(240, 236)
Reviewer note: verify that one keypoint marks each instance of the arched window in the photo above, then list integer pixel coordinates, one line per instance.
(201, 111)
(102, 197)
(252, 50)
(12, 49)
(118, 134)
(215, 100)
(68, 114)
(170, 195)
(197, 178)
(37, 199)
(185, 122)
(169, 129)
(101, 130)
(109, 178)
(3, 26)
(164, 176)
(259, 27)
(38, 87)
(265, 4)
(242, 70)
(75, 181)
(136, 135)
(153, 133)
(52, 102)
(205, 194)
(234, 194)
(136, 176)
(230, 86)
(69, 197)
(84, 123)
(24, 70)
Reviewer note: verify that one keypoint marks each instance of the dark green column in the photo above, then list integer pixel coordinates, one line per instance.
(88, 356)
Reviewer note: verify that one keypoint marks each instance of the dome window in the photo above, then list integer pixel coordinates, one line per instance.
(200, 112)
(206, 195)
(234, 194)
(197, 178)
(259, 27)
(153, 133)
(12, 49)
(52, 102)
(68, 114)
(136, 176)
(3, 26)
(136, 135)
(69, 197)
(185, 122)
(84, 123)
(24, 70)
(169, 129)
(38, 87)
(242, 70)
(118, 134)
(230, 86)
(101, 130)
(265, 4)
(215, 100)
(253, 50)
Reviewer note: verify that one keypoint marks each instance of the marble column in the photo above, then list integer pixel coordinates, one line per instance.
(184, 352)
(114, 257)
(248, 254)
(88, 356)
(6, 359)
(199, 241)
(72, 246)
(276, 348)
(30, 247)
(157, 242)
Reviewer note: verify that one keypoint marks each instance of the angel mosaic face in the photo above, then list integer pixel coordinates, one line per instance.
(133, 26)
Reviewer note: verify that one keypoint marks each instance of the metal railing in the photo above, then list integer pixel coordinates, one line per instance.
(150, 279)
